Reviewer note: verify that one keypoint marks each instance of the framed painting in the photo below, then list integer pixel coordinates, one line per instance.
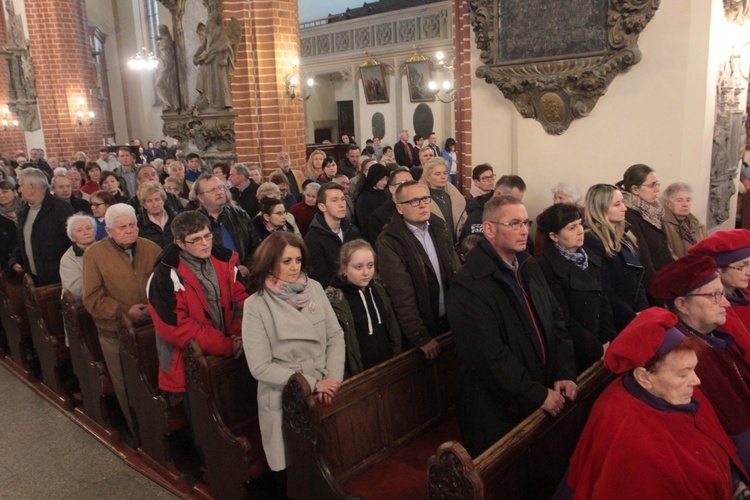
(419, 75)
(373, 82)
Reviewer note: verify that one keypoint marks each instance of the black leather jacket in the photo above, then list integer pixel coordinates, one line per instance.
(240, 226)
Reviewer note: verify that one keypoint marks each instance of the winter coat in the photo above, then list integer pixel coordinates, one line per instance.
(652, 244)
(240, 226)
(678, 245)
(458, 208)
(324, 246)
(151, 231)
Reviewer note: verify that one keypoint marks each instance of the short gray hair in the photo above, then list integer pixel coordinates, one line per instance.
(71, 222)
(675, 188)
(118, 210)
(35, 177)
(311, 186)
(242, 170)
(57, 176)
(60, 171)
(569, 190)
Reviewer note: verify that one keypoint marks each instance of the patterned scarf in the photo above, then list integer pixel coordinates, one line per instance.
(683, 228)
(651, 212)
(579, 257)
(295, 294)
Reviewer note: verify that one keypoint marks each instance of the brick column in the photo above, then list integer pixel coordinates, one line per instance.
(61, 51)
(13, 139)
(268, 121)
(462, 40)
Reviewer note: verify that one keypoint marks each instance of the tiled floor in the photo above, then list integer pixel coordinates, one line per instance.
(44, 455)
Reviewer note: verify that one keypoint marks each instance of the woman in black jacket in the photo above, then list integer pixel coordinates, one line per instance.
(608, 240)
(272, 218)
(573, 276)
(371, 196)
(640, 188)
(154, 217)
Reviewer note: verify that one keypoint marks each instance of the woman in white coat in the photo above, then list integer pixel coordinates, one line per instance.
(288, 327)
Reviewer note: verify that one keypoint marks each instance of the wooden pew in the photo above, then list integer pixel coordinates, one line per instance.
(88, 364)
(528, 462)
(48, 335)
(16, 326)
(224, 409)
(152, 416)
(374, 440)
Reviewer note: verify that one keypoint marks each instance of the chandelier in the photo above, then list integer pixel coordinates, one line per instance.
(143, 61)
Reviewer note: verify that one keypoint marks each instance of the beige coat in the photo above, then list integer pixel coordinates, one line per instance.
(299, 176)
(458, 207)
(280, 341)
(677, 245)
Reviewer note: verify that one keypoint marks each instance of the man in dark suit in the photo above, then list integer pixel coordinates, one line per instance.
(244, 190)
(404, 151)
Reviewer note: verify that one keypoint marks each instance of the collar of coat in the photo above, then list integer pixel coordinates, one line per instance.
(482, 262)
(171, 255)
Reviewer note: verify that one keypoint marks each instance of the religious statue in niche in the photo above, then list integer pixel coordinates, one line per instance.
(22, 81)
(215, 59)
(167, 86)
(728, 143)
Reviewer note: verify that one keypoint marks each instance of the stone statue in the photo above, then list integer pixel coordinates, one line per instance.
(215, 59)
(167, 87)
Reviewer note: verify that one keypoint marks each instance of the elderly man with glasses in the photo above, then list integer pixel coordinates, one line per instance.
(417, 262)
(692, 289)
(514, 354)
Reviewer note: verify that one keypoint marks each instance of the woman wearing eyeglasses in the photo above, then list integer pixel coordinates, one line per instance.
(608, 240)
(100, 201)
(272, 218)
(640, 188)
(730, 250)
(573, 276)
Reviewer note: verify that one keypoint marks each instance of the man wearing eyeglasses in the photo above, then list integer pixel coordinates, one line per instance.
(195, 293)
(692, 289)
(417, 262)
(514, 354)
(231, 226)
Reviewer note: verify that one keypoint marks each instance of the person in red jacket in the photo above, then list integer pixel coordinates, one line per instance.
(652, 433)
(196, 292)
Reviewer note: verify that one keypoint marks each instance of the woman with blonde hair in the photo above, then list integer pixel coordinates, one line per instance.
(450, 205)
(608, 240)
(154, 216)
(288, 327)
(314, 167)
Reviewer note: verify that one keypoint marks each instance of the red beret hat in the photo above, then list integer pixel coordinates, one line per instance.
(682, 276)
(651, 332)
(725, 247)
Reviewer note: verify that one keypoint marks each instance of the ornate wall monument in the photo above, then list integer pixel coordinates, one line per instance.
(22, 83)
(556, 66)
(205, 126)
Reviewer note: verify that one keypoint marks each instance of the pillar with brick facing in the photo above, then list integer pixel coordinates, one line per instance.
(268, 120)
(65, 76)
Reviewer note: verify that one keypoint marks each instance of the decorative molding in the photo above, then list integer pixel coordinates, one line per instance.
(451, 474)
(728, 142)
(296, 411)
(556, 90)
(736, 11)
(21, 78)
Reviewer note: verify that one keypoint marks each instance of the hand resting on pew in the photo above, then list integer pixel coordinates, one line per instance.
(567, 388)
(554, 402)
(325, 390)
(431, 349)
(139, 312)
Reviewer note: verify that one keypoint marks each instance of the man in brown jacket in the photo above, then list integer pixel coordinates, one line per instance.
(115, 273)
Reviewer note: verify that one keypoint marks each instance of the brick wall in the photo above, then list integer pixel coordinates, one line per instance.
(13, 139)
(268, 120)
(60, 47)
(462, 40)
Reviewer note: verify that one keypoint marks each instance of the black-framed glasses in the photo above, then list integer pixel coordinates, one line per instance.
(415, 202)
(740, 268)
(487, 178)
(716, 296)
(200, 239)
(515, 225)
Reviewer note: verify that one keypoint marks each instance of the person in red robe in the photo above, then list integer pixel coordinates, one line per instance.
(652, 433)
(731, 252)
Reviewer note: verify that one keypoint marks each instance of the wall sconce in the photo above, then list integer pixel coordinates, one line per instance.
(84, 116)
(291, 81)
(736, 60)
(8, 121)
(445, 67)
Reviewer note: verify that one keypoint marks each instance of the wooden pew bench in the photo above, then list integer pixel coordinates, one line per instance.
(16, 325)
(528, 462)
(88, 363)
(224, 409)
(48, 335)
(154, 419)
(374, 440)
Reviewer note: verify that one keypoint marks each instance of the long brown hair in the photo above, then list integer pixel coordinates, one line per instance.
(268, 255)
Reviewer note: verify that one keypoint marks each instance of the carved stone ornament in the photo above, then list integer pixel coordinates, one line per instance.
(296, 409)
(736, 11)
(450, 474)
(22, 81)
(552, 74)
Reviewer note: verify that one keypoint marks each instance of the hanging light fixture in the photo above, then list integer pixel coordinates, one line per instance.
(143, 60)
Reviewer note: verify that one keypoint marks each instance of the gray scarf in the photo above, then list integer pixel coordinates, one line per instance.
(204, 272)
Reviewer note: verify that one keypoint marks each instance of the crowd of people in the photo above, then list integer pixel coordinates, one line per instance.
(330, 268)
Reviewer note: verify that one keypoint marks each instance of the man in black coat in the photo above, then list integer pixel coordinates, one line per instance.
(244, 190)
(514, 354)
(42, 239)
(417, 262)
(329, 230)
(403, 151)
(383, 214)
(62, 187)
